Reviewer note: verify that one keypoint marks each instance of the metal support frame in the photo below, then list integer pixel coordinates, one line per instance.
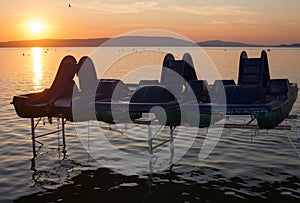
(152, 136)
(34, 136)
(152, 156)
(292, 118)
(149, 122)
(294, 146)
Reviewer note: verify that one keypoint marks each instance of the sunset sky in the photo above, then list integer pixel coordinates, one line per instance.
(251, 21)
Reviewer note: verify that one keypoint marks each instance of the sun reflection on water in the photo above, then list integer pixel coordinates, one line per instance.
(37, 68)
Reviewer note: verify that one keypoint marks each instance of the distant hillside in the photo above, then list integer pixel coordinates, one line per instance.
(140, 41)
(55, 43)
(290, 45)
(126, 41)
(137, 41)
(219, 43)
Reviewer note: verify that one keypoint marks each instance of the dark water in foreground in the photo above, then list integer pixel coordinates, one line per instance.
(104, 185)
(238, 169)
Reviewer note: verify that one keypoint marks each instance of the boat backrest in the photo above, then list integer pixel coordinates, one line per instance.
(65, 73)
(189, 69)
(109, 89)
(87, 75)
(198, 89)
(176, 73)
(65, 100)
(175, 80)
(254, 71)
(278, 89)
(61, 83)
(165, 68)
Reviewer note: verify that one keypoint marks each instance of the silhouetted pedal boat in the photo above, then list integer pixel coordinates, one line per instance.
(35, 105)
(269, 101)
(181, 99)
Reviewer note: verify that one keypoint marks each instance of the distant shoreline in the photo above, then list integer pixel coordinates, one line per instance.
(131, 41)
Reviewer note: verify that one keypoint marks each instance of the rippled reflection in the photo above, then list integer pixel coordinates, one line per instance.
(37, 68)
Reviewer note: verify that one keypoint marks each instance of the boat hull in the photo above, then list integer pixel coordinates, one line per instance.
(269, 120)
(114, 117)
(24, 110)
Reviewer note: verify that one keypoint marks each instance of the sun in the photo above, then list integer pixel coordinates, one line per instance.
(36, 27)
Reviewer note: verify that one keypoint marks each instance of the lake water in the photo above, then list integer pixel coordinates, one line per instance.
(241, 167)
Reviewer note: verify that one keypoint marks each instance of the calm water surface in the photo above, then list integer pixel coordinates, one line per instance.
(238, 169)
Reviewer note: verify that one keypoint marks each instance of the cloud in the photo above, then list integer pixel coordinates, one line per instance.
(109, 8)
(291, 23)
(217, 22)
(213, 10)
(22, 14)
(202, 9)
(137, 7)
(235, 22)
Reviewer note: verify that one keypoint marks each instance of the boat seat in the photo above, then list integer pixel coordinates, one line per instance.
(218, 83)
(217, 90)
(243, 94)
(198, 89)
(148, 98)
(111, 89)
(278, 89)
(152, 94)
(148, 82)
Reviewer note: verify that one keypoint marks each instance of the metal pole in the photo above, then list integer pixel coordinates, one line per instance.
(63, 133)
(150, 139)
(33, 137)
(171, 146)
(171, 133)
(295, 148)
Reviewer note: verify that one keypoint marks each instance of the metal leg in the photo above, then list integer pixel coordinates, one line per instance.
(171, 133)
(33, 164)
(33, 137)
(63, 134)
(293, 145)
(171, 147)
(150, 140)
(151, 164)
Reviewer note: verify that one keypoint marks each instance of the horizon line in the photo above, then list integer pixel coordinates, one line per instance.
(212, 41)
